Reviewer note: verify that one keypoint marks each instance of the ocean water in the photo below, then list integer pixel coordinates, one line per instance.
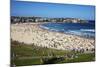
(80, 29)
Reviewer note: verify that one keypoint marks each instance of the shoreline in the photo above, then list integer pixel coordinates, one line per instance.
(67, 33)
(92, 38)
(31, 33)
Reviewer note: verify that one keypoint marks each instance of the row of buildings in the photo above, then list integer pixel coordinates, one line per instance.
(17, 19)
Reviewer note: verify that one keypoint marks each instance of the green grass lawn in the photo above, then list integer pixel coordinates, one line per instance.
(25, 55)
(26, 62)
(81, 58)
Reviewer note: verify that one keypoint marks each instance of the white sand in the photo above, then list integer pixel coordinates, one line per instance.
(31, 33)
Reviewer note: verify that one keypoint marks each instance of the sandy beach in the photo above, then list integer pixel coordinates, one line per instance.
(31, 33)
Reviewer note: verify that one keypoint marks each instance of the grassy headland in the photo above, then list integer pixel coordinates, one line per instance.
(23, 54)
